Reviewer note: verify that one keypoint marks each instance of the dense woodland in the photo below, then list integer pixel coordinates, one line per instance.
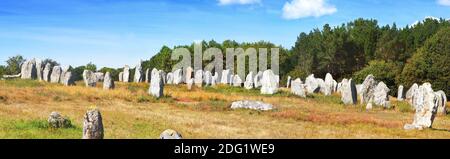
(413, 54)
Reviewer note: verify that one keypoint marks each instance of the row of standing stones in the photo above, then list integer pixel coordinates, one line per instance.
(423, 99)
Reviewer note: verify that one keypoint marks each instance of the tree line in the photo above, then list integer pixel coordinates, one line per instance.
(413, 54)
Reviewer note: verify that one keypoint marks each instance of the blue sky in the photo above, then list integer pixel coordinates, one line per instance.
(118, 32)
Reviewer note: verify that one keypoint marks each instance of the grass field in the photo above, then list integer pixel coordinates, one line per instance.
(129, 112)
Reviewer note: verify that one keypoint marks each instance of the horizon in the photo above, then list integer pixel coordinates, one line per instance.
(104, 32)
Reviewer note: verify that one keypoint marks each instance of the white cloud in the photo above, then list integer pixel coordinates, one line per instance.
(297, 9)
(229, 2)
(427, 17)
(444, 2)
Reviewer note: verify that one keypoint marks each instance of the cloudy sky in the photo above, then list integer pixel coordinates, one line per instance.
(118, 32)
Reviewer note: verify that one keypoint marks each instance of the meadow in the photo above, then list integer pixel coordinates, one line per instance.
(129, 112)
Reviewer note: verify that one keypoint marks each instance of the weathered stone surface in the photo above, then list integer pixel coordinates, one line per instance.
(330, 85)
(138, 73)
(39, 70)
(257, 79)
(93, 125)
(335, 86)
(28, 69)
(358, 89)
(298, 88)
(215, 79)
(207, 78)
(55, 120)
(226, 76)
(426, 108)
(68, 79)
(126, 74)
(156, 84)
(231, 80)
(100, 76)
(189, 83)
(177, 76)
(237, 81)
(56, 74)
(163, 76)
(441, 100)
(269, 83)
(170, 134)
(381, 95)
(348, 92)
(323, 87)
(63, 74)
(311, 84)
(368, 89)
(108, 82)
(120, 76)
(90, 79)
(188, 73)
(169, 78)
(288, 82)
(198, 78)
(410, 93)
(400, 93)
(248, 84)
(147, 75)
(47, 72)
(248, 104)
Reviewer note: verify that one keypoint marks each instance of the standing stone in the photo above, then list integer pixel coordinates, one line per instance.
(298, 88)
(311, 84)
(147, 75)
(189, 83)
(410, 93)
(231, 80)
(257, 79)
(177, 76)
(55, 120)
(170, 134)
(329, 84)
(90, 79)
(56, 74)
(226, 76)
(348, 92)
(248, 84)
(126, 74)
(28, 70)
(121, 77)
(68, 79)
(207, 78)
(93, 125)
(39, 70)
(198, 78)
(323, 87)
(335, 86)
(358, 89)
(214, 79)
(339, 87)
(138, 74)
(63, 73)
(47, 72)
(426, 108)
(400, 93)
(368, 89)
(170, 78)
(441, 100)
(108, 82)
(237, 81)
(188, 73)
(269, 83)
(381, 95)
(100, 76)
(156, 84)
(288, 83)
(163, 76)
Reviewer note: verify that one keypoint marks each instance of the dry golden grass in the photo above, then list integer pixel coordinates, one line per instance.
(128, 112)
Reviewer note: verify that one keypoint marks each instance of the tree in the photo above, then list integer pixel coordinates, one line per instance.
(13, 64)
(113, 72)
(430, 63)
(77, 73)
(52, 63)
(90, 66)
(2, 70)
(382, 71)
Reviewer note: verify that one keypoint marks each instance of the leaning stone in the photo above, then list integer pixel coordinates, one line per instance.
(348, 92)
(108, 82)
(426, 108)
(56, 74)
(381, 95)
(90, 79)
(298, 88)
(255, 105)
(93, 125)
(269, 83)
(55, 120)
(156, 84)
(170, 134)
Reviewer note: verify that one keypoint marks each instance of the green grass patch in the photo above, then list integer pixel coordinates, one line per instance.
(402, 106)
(36, 129)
